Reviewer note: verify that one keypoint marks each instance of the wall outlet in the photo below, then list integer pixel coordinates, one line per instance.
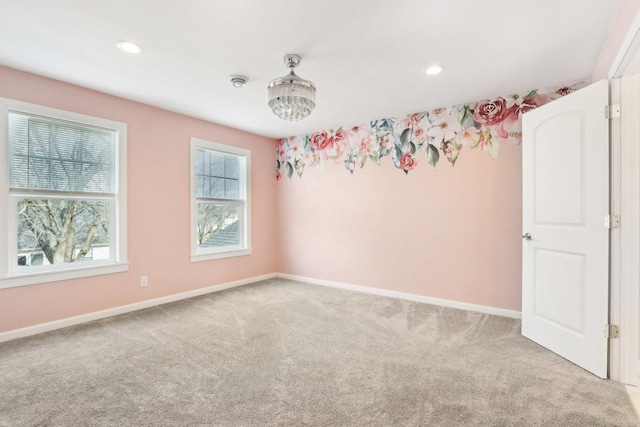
(144, 281)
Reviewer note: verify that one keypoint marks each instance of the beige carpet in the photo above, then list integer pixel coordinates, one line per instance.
(281, 353)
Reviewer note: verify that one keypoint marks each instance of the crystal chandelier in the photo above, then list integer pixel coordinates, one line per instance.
(291, 97)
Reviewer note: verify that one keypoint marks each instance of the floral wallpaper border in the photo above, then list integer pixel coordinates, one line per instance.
(443, 132)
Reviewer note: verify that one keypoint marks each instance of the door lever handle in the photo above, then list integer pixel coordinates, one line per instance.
(527, 236)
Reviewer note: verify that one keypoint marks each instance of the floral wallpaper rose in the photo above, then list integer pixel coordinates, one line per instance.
(443, 132)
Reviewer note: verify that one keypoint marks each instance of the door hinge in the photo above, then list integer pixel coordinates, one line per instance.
(612, 221)
(611, 331)
(611, 111)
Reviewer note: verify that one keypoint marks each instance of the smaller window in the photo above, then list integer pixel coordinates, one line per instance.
(220, 201)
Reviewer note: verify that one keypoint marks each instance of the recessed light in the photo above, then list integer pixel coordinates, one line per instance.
(129, 47)
(434, 69)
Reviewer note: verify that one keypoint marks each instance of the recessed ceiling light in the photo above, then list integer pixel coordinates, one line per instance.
(433, 70)
(129, 47)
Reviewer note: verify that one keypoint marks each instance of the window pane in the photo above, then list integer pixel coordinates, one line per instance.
(37, 258)
(200, 187)
(199, 162)
(233, 167)
(96, 177)
(232, 188)
(217, 165)
(206, 163)
(50, 154)
(62, 231)
(218, 225)
(217, 188)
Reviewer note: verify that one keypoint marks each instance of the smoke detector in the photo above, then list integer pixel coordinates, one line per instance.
(238, 81)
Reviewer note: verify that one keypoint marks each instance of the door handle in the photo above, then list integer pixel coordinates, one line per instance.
(527, 236)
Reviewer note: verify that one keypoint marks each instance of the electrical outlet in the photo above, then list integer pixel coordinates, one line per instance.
(144, 282)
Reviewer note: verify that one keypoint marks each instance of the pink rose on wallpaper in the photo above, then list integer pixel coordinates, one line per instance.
(320, 140)
(408, 162)
(510, 130)
(410, 121)
(337, 144)
(419, 135)
(490, 112)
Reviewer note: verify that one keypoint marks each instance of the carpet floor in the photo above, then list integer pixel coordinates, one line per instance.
(282, 353)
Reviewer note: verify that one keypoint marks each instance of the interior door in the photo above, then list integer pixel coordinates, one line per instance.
(565, 271)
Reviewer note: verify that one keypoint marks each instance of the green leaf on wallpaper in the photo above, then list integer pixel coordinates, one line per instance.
(532, 93)
(306, 142)
(289, 170)
(404, 138)
(476, 142)
(362, 159)
(465, 114)
(412, 147)
(451, 151)
(432, 155)
(375, 158)
(278, 164)
(396, 158)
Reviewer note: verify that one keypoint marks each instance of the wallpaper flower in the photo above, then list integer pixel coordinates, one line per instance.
(432, 135)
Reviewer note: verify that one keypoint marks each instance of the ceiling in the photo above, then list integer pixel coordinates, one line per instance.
(367, 58)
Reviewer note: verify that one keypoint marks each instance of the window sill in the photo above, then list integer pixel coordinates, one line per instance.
(67, 274)
(206, 256)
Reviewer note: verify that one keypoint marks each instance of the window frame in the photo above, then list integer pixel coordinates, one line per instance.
(11, 275)
(244, 155)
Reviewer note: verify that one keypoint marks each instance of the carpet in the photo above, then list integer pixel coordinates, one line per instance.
(283, 353)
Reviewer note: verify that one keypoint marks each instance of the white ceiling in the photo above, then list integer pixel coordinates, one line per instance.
(367, 58)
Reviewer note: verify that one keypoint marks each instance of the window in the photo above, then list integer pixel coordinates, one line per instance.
(220, 201)
(64, 192)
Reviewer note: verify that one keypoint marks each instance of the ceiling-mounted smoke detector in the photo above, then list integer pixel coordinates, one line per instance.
(238, 81)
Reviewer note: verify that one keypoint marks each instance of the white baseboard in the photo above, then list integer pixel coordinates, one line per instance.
(76, 320)
(411, 297)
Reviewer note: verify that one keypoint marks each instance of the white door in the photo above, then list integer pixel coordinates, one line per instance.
(565, 270)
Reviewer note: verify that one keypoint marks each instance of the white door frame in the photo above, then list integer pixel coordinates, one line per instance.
(624, 77)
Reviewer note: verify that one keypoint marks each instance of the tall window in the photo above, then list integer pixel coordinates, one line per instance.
(220, 202)
(64, 194)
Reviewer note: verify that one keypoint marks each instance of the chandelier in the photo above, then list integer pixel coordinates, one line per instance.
(292, 97)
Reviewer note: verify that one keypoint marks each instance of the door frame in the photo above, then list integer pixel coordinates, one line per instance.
(624, 79)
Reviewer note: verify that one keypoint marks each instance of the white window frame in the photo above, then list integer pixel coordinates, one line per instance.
(205, 254)
(10, 275)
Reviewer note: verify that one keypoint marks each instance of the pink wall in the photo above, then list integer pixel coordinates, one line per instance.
(625, 16)
(158, 204)
(452, 233)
